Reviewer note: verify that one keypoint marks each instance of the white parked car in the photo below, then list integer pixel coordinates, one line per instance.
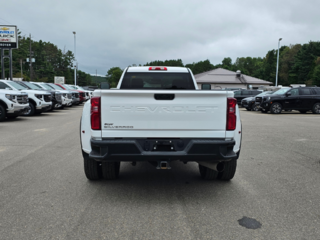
(38, 101)
(12, 103)
(65, 98)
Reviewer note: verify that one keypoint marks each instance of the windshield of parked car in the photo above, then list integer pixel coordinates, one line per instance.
(264, 93)
(281, 91)
(66, 86)
(17, 86)
(32, 86)
(72, 87)
(56, 87)
(42, 85)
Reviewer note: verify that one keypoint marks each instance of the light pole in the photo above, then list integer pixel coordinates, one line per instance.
(74, 64)
(278, 62)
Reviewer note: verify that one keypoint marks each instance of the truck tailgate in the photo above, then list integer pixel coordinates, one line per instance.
(138, 114)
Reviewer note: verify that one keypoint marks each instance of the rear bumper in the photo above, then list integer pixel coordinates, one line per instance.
(210, 150)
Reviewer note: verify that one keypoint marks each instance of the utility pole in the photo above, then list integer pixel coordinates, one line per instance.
(96, 72)
(21, 68)
(75, 59)
(278, 62)
(30, 59)
(2, 64)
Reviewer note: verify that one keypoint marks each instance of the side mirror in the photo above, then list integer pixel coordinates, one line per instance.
(288, 94)
(104, 85)
(206, 86)
(8, 88)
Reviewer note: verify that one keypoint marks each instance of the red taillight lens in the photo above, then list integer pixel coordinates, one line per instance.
(231, 114)
(95, 113)
(158, 68)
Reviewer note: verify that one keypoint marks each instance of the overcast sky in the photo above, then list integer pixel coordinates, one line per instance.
(125, 32)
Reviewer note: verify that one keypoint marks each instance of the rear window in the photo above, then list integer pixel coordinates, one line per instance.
(255, 92)
(317, 91)
(245, 92)
(305, 91)
(152, 80)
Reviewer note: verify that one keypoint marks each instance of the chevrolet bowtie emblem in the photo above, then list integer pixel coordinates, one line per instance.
(4, 28)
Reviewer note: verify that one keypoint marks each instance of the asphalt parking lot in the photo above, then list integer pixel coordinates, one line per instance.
(44, 193)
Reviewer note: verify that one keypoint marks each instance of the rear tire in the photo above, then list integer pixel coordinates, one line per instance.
(316, 108)
(110, 170)
(207, 173)
(230, 168)
(276, 108)
(91, 167)
(3, 113)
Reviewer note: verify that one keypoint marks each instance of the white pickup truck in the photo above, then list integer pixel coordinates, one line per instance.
(158, 115)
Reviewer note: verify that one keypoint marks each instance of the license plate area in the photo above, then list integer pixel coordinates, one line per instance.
(163, 146)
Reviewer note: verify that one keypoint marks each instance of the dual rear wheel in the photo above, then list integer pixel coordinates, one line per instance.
(227, 174)
(95, 170)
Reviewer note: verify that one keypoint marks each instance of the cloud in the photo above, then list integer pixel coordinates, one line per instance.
(121, 33)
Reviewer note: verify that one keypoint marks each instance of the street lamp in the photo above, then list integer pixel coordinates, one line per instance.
(74, 64)
(278, 62)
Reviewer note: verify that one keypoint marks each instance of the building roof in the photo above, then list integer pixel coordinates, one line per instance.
(221, 75)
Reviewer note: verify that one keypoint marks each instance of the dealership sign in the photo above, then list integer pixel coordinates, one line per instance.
(59, 80)
(8, 36)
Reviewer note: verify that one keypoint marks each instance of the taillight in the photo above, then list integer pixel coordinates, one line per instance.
(231, 114)
(95, 113)
(158, 68)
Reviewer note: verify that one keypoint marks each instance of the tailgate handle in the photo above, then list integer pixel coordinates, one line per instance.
(164, 96)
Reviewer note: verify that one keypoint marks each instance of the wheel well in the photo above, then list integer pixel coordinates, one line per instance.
(3, 104)
(33, 102)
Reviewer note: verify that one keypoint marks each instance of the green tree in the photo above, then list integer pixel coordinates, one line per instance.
(227, 63)
(113, 76)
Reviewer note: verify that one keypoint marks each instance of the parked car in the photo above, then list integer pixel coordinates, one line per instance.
(12, 103)
(39, 101)
(55, 95)
(79, 95)
(241, 94)
(302, 99)
(250, 102)
(64, 98)
(65, 93)
(88, 92)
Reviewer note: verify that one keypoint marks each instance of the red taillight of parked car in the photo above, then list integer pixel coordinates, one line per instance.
(231, 114)
(95, 113)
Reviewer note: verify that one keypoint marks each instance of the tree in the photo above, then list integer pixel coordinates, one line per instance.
(227, 63)
(113, 76)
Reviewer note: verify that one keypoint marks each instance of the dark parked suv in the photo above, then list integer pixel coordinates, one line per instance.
(241, 94)
(302, 99)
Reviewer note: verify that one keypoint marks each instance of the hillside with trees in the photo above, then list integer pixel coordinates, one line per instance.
(50, 61)
(297, 64)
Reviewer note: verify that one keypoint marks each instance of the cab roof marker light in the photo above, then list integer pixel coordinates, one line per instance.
(158, 68)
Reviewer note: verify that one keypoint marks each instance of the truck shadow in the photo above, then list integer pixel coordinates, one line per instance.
(145, 182)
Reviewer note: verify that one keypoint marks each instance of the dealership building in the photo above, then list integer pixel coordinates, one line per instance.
(222, 78)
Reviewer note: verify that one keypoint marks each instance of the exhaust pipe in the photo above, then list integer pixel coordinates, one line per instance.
(163, 165)
(219, 167)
